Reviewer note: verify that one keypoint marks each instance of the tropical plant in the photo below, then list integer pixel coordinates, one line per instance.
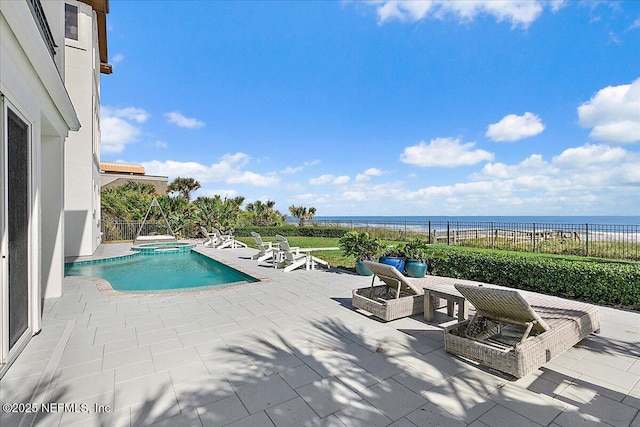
(218, 212)
(262, 214)
(419, 250)
(360, 244)
(302, 213)
(184, 187)
(396, 251)
(181, 215)
(126, 202)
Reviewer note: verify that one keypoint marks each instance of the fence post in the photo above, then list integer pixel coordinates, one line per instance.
(405, 231)
(492, 237)
(429, 231)
(586, 247)
(534, 237)
(448, 231)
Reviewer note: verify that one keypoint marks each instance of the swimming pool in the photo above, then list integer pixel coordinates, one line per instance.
(163, 247)
(160, 272)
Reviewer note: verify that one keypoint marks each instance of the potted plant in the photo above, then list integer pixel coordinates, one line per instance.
(418, 252)
(394, 255)
(362, 246)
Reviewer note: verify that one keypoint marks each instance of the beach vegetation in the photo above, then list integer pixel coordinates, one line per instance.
(184, 187)
(262, 214)
(302, 213)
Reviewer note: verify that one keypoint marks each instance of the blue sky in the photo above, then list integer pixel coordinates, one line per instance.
(383, 107)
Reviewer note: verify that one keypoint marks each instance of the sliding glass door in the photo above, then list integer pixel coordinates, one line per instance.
(18, 225)
(14, 229)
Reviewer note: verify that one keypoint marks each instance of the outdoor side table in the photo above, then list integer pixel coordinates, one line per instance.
(448, 293)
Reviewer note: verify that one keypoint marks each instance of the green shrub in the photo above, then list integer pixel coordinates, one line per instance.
(611, 283)
(360, 245)
(291, 230)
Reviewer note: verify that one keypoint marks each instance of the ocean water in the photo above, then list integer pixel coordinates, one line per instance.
(578, 220)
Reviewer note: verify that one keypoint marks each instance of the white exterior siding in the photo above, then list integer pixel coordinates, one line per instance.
(32, 88)
(82, 149)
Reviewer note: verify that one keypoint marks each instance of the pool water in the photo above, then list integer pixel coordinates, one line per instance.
(158, 272)
(163, 247)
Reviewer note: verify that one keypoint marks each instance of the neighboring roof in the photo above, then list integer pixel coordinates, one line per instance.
(121, 168)
(101, 7)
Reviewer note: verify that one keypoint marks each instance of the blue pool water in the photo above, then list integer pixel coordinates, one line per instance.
(159, 272)
(163, 247)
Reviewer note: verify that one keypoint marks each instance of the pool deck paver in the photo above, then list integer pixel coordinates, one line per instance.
(291, 351)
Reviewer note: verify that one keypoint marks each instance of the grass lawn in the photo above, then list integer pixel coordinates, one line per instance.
(334, 258)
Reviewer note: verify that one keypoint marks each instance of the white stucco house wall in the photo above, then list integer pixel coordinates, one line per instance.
(36, 115)
(85, 59)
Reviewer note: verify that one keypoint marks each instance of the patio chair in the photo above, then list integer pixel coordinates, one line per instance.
(291, 258)
(400, 296)
(212, 239)
(517, 335)
(227, 240)
(265, 249)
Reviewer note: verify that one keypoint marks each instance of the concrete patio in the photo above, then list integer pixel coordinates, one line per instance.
(291, 351)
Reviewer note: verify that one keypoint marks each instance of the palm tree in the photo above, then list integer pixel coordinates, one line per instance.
(262, 213)
(302, 213)
(218, 212)
(183, 186)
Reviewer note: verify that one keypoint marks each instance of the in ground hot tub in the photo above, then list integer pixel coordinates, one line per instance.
(172, 247)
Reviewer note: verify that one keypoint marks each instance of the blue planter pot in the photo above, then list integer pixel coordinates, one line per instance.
(362, 269)
(395, 261)
(416, 268)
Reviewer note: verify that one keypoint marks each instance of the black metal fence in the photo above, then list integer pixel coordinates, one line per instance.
(128, 230)
(591, 240)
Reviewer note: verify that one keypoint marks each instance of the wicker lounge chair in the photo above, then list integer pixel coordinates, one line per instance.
(400, 296)
(515, 335)
(265, 249)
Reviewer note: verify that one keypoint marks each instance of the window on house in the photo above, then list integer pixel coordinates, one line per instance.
(71, 22)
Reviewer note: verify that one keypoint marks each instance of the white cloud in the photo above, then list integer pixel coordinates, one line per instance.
(119, 127)
(613, 113)
(230, 170)
(520, 13)
(322, 179)
(513, 127)
(595, 168)
(445, 152)
(329, 179)
(161, 144)
(636, 24)
(289, 170)
(180, 120)
(134, 114)
(585, 180)
(117, 58)
(367, 174)
(590, 155)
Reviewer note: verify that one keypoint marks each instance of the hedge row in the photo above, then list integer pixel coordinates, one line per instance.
(292, 230)
(608, 283)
